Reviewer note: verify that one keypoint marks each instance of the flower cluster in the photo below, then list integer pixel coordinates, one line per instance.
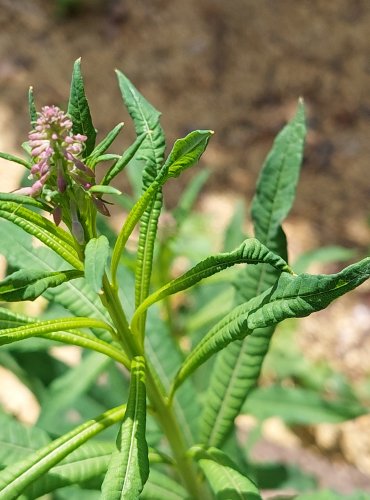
(58, 166)
(55, 150)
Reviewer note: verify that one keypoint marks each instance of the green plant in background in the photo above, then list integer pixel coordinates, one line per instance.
(168, 419)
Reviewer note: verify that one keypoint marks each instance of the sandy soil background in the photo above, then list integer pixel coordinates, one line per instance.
(237, 67)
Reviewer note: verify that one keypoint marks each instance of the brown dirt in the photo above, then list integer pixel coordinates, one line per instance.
(236, 67)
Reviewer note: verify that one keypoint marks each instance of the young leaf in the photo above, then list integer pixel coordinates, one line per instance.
(251, 251)
(240, 363)
(128, 469)
(127, 156)
(290, 297)
(16, 477)
(29, 284)
(223, 476)
(186, 152)
(96, 256)
(100, 188)
(78, 109)
(31, 106)
(105, 143)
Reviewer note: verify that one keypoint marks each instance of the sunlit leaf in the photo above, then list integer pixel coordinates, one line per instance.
(129, 466)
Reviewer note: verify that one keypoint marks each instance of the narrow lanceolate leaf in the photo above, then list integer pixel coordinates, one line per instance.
(78, 109)
(129, 466)
(16, 477)
(187, 151)
(96, 256)
(76, 296)
(251, 251)
(237, 367)
(44, 328)
(290, 297)
(13, 333)
(44, 230)
(166, 358)
(146, 120)
(32, 107)
(29, 284)
(223, 476)
(106, 142)
(90, 462)
(127, 156)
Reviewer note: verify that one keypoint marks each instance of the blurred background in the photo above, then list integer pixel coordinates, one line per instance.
(238, 68)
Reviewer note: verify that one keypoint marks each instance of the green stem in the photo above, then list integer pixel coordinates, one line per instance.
(156, 395)
(175, 437)
(112, 303)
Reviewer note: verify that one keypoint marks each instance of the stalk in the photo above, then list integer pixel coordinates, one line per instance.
(163, 411)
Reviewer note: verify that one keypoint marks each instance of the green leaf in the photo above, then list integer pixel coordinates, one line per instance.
(160, 486)
(100, 188)
(76, 296)
(238, 367)
(78, 109)
(15, 159)
(29, 284)
(290, 297)
(65, 390)
(166, 357)
(251, 251)
(128, 469)
(187, 151)
(16, 477)
(89, 462)
(299, 406)
(48, 233)
(106, 142)
(24, 200)
(10, 319)
(31, 107)
(130, 222)
(96, 256)
(223, 476)
(127, 156)
(18, 441)
(146, 120)
(41, 328)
